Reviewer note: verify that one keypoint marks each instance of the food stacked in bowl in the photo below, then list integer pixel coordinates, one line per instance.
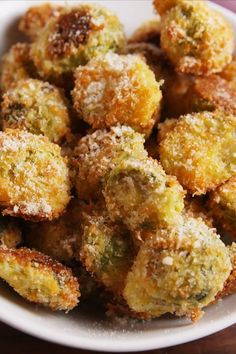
(118, 160)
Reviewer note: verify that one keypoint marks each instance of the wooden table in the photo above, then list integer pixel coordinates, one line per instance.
(15, 342)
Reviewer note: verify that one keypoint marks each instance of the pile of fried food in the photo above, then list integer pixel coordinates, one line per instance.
(118, 160)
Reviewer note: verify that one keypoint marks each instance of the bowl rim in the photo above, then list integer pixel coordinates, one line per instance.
(103, 344)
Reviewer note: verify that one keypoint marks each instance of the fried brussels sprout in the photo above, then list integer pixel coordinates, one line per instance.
(36, 18)
(179, 270)
(148, 32)
(73, 38)
(174, 85)
(34, 178)
(39, 279)
(196, 39)
(210, 93)
(201, 150)
(230, 283)
(229, 73)
(37, 107)
(95, 154)
(15, 65)
(222, 204)
(140, 194)
(10, 233)
(113, 89)
(61, 238)
(107, 250)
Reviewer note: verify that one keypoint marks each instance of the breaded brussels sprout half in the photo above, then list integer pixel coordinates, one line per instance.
(15, 65)
(196, 39)
(117, 89)
(179, 270)
(37, 107)
(140, 194)
(39, 279)
(107, 250)
(76, 36)
(222, 204)
(229, 73)
(10, 233)
(34, 178)
(210, 93)
(95, 154)
(148, 32)
(201, 150)
(230, 283)
(60, 238)
(36, 18)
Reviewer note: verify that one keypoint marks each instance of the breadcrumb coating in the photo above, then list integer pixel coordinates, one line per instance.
(148, 32)
(113, 89)
(15, 65)
(95, 154)
(34, 180)
(201, 150)
(163, 6)
(196, 39)
(37, 107)
(61, 238)
(222, 204)
(197, 208)
(39, 279)
(165, 127)
(140, 194)
(76, 36)
(36, 18)
(107, 251)
(229, 73)
(210, 93)
(230, 283)
(10, 233)
(179, 270)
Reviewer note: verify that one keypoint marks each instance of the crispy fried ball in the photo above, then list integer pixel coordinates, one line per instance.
(229, 73)
(10, 233)
(37, 107)
(210, 93)
(230, 283)
(15, 65)
(36, 18)
(61, 238)
(79, 34)
(148, 32)
(201, 150)
(113, 89)
(107, 250)
(222, 204)
(95, 154)
(196, 39)
(141, 195)
(34, 178)
(179, 271)
(39, 279)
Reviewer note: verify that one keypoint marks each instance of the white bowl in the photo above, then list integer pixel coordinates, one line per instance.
(85, 327)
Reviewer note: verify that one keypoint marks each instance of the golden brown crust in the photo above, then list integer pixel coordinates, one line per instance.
(36, 18)
(45, 281)
(210, 93)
